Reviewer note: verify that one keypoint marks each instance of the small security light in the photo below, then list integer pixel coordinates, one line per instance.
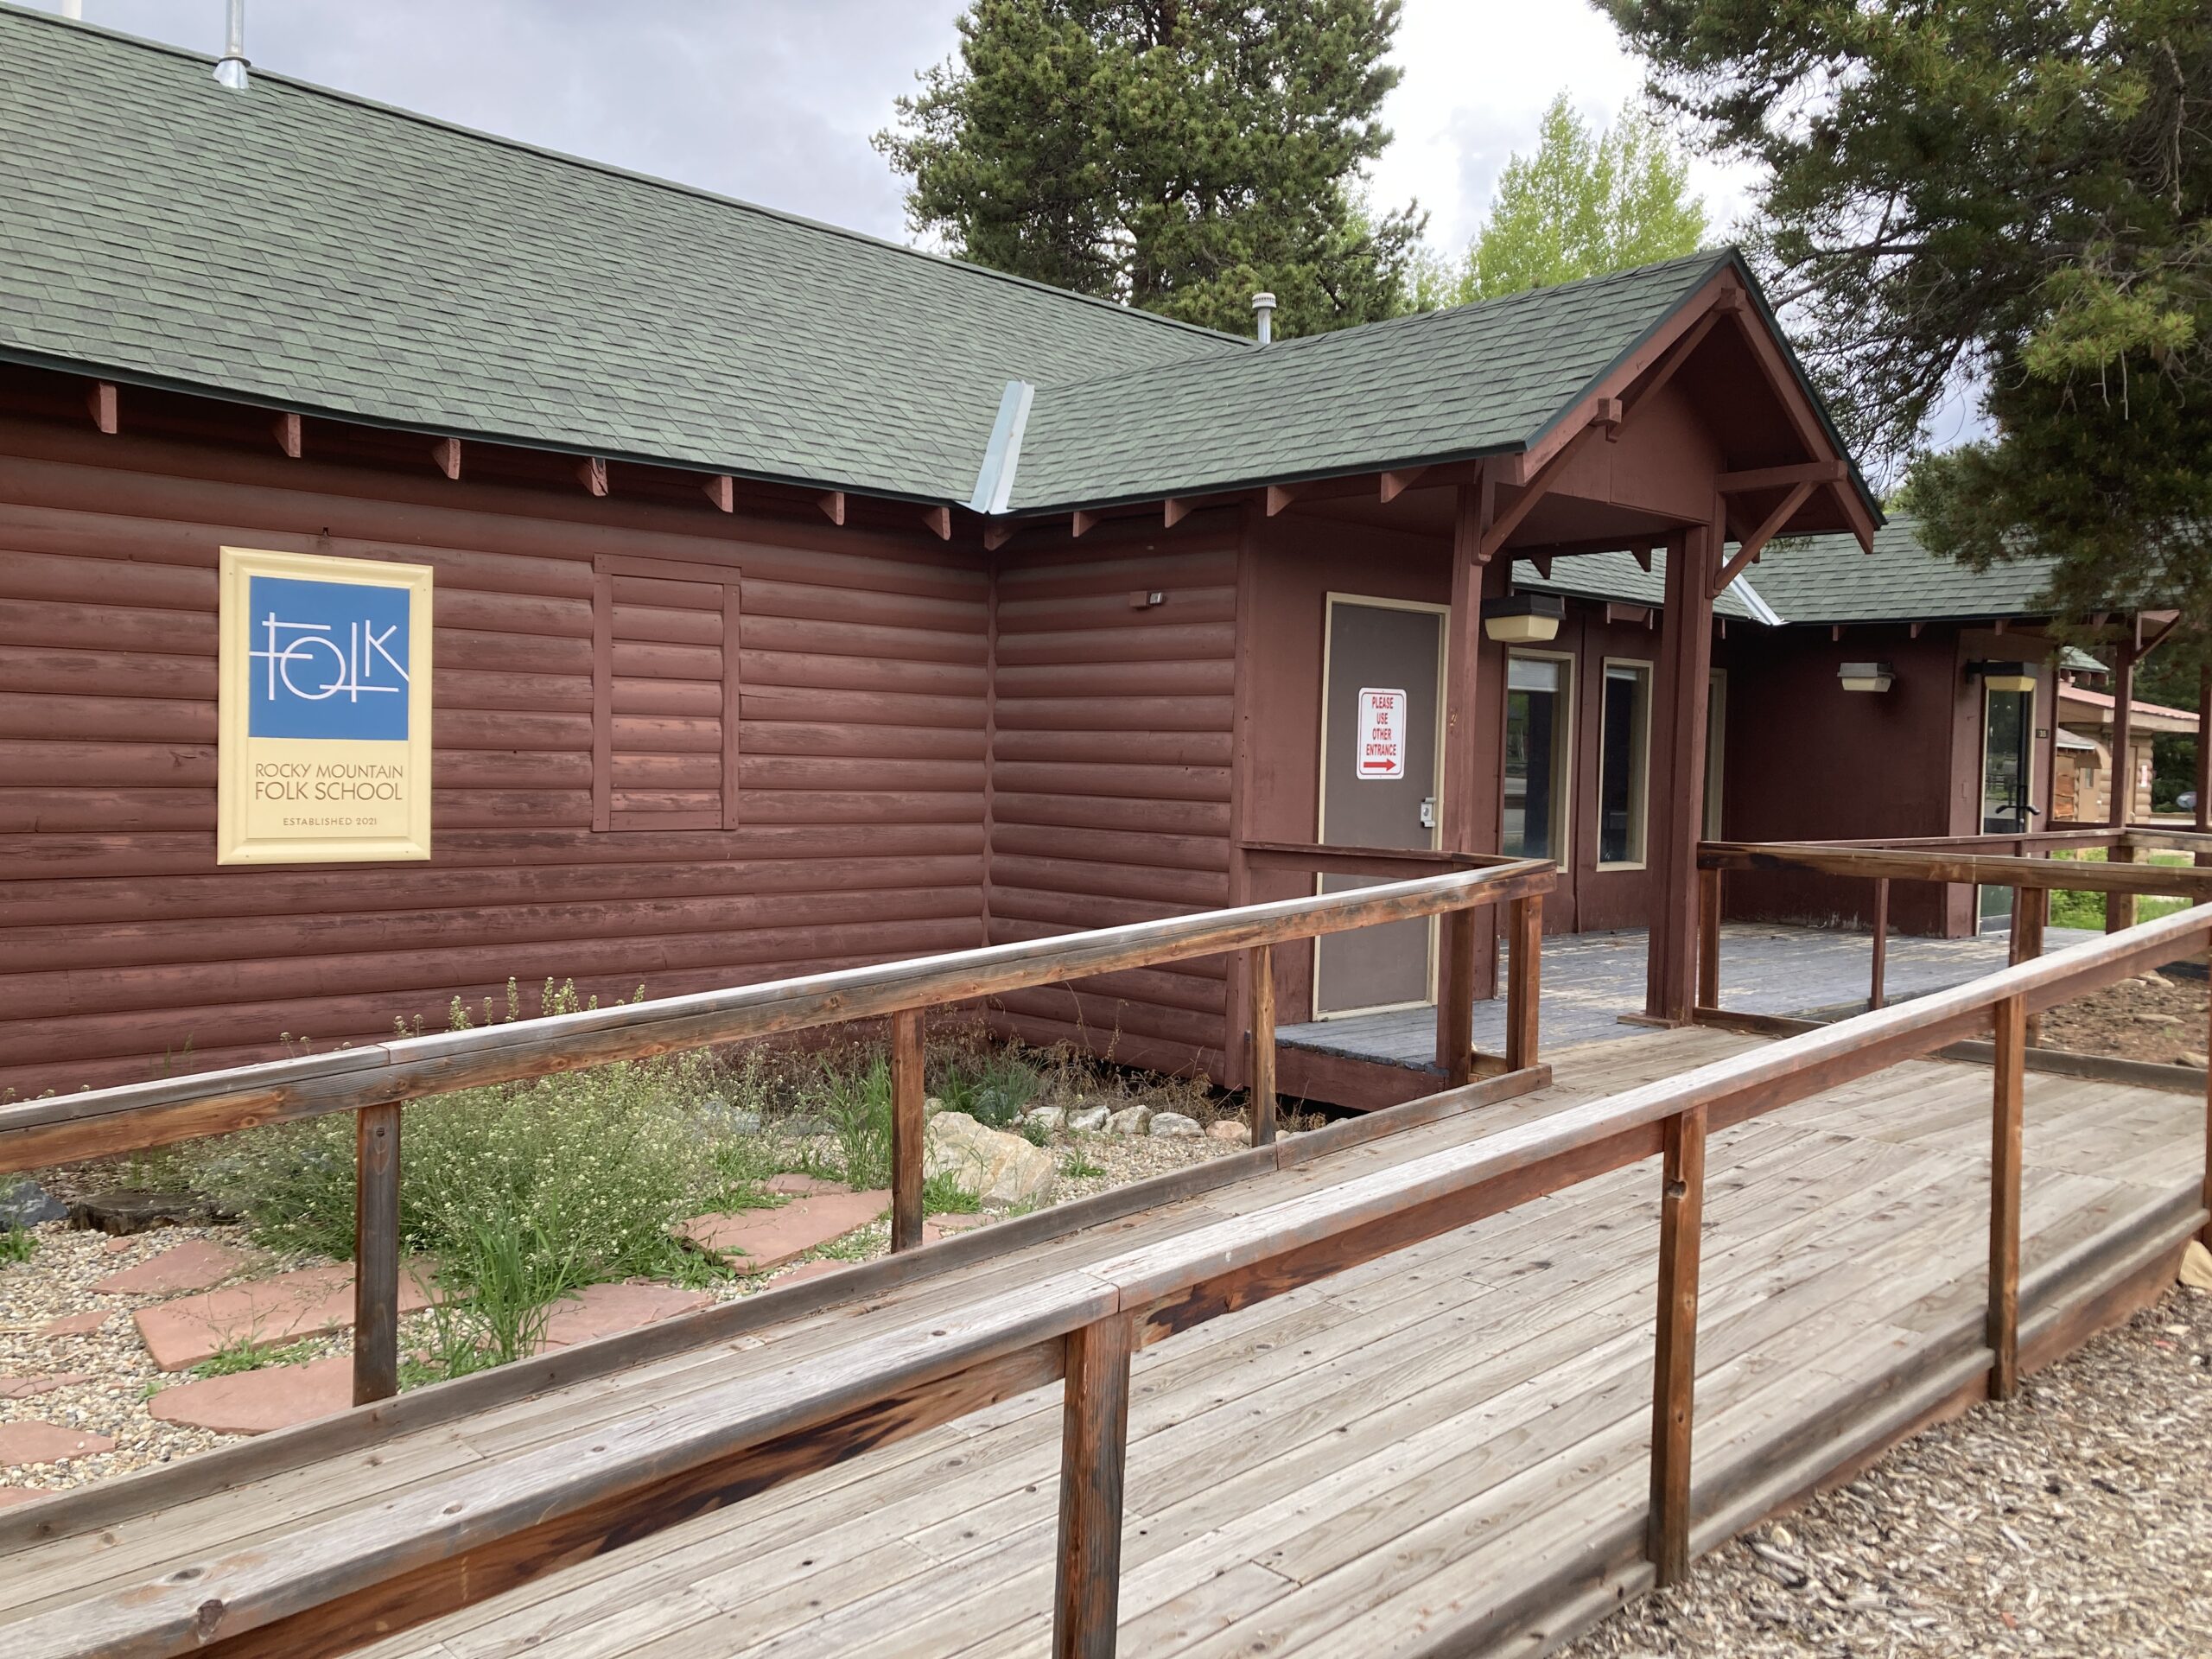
(1523, 618)
(1866, 677)
(2003, 677)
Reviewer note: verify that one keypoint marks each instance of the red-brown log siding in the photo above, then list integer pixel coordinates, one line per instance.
(860, 763)
(1112, 762)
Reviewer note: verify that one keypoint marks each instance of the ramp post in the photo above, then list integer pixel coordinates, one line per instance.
(2009, 1023)
(1094, 1449)
(376, 1252)
(908, 1129)
(1681, 1214)
(1259, 970)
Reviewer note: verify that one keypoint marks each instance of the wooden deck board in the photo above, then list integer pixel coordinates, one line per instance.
(1359, 1466)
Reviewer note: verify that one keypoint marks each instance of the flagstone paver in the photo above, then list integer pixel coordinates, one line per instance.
(199, 1264)
(936, 1227)
(11, 1495)
(602, 1310)
(39, 1442)
(308, 1302)
(257, 1402)
(22, 1388)
(759, 1240)
(796, 1185)
(76, 1325)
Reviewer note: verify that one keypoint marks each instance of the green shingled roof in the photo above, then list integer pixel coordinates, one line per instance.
(314, 251)
(1443, 384)
(295, 247)
(1828, 579)
(1618, 576)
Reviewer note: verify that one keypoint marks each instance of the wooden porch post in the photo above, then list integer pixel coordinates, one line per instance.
(1678, 781)
(1877, 966)
(2203, 755)
(1260, 970)
(2120, 908)
(1459, 976)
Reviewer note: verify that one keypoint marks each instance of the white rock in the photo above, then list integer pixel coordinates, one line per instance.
(1047, 1117)
(1130, 1120)
(999, 1168)
(1228, 1128)
(1090, 1119)
(1175, 1125)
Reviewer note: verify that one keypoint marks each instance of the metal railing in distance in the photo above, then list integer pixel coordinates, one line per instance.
(374, 1079)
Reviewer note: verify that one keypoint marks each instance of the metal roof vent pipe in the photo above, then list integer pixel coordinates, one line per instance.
(231, 70)
(1263, 309)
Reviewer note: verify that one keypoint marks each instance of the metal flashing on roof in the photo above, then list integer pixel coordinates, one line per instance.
(1002, 455)
(1758, 607)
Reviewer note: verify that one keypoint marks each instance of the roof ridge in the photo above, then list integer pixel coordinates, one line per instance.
(12, 8)
(1414, 319)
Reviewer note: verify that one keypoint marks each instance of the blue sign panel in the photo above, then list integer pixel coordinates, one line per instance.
(328, 659)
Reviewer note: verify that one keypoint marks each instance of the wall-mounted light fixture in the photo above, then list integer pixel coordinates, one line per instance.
(1523, 618)
(2003, 677)
(1866, 677)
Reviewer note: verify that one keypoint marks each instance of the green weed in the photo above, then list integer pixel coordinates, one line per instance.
(17, 1246)
(247, 1354)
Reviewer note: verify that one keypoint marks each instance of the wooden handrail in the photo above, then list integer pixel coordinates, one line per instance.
(1998, 861)
(462, 1537)
(373, 1080)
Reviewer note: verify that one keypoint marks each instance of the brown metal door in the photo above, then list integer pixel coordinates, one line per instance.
(1379, 788)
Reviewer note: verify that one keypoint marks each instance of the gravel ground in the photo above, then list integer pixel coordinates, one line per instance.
(2147, 1018)
(2073, 1520)
(56, 1283)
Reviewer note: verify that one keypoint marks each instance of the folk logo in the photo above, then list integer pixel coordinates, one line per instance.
(327, 659)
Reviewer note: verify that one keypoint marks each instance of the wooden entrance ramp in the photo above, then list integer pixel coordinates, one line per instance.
(1444, 1444)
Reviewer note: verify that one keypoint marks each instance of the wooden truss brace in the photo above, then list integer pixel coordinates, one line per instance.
(446, 453)
(1280, 496)
(287, 429)
(1755, 543)
(1174, 510)
(1607, 416)
(939, 521)
(1082, 523)
(722, 490)
(1396, 484)
(591, 472)
(997, 534)
(102, 401)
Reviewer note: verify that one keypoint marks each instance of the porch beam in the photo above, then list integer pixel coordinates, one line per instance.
(1775, 478)
(1748, 551)
(1678, 770)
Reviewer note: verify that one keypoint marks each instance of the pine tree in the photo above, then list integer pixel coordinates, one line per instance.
(2011, 195)
(1174, 155)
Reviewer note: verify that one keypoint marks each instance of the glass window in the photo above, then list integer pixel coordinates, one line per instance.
(1716, 749)
(1537, 727)
(1625, 734)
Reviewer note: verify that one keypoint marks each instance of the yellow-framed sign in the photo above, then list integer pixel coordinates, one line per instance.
(325, 709)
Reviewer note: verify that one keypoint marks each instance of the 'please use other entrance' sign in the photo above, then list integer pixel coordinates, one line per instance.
(1381, 752)
(325, 709)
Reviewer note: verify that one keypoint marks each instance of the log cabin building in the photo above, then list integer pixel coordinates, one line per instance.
(803, 600)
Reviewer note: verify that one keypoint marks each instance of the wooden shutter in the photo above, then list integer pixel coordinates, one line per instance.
(665, 686)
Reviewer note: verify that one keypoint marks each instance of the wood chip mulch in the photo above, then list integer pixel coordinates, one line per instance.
(2075, 1520)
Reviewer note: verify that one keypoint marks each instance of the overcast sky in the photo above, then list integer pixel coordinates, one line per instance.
(773, 100)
